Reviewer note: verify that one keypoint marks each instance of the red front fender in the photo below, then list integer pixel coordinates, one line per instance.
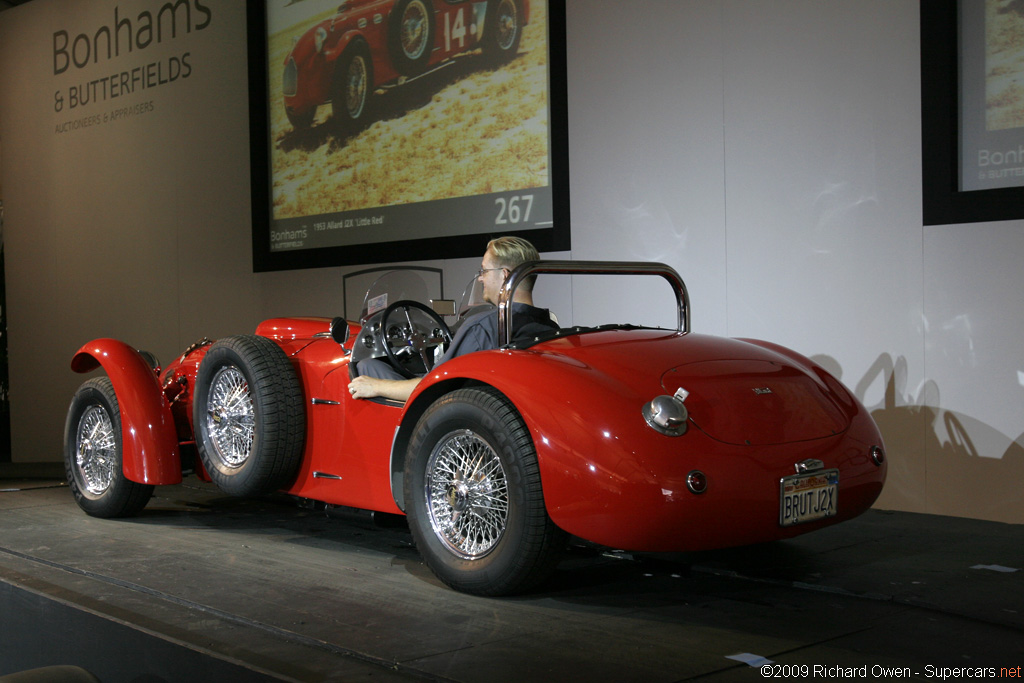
(148, 436)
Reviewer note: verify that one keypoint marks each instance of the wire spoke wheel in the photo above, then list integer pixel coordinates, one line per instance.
(414, 30)
(231, 416)
(96, 450)
(352, 89)
(357, 85)
(473, 495)
(467, 494)
(504, 30)
(93, 455)
(411, 36)
(248, 415)
(507, 25)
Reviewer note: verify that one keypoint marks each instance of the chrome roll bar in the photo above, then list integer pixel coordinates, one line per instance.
(522, 271)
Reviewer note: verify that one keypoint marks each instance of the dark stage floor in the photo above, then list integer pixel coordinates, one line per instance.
(202, 587)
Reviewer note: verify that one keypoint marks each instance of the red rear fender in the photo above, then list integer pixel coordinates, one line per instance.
(148, 437)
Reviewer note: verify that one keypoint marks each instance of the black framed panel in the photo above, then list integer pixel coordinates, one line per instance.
(973, 168)
(362, 155)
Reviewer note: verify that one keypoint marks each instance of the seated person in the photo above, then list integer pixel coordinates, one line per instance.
(480, 332)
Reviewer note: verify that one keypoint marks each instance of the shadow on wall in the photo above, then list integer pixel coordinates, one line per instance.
(940, 461)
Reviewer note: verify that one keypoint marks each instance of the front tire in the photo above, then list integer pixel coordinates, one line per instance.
(248, 416)
(352, 88)
(300, 121)
(93, 455)
(474, 497)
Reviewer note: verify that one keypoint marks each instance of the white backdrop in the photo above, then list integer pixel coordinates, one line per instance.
(770, 151)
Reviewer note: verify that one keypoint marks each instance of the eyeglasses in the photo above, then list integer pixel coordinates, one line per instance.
(480, 273)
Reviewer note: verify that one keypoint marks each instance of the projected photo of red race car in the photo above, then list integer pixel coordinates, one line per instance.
(636, 438)
(371, 43)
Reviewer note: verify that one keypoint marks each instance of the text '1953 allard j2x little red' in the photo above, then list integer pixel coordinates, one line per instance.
(634, 438)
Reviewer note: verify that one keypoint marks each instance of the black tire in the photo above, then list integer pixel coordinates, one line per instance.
(503, 32)
(352, 88)
(411, 36)
(93, 455)
(300, 121)
(474, 499)
(248, 416)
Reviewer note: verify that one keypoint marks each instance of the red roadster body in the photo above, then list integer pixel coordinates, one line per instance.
(635, 438)
(371, 43)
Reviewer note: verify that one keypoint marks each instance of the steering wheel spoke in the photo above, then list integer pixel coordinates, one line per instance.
(414, 332)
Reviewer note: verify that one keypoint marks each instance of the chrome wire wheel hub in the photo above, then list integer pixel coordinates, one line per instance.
(467, 494)
(96, 452)
(230, 417)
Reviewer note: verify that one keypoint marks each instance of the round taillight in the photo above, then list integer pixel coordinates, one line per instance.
(877, 455)
(697, 482)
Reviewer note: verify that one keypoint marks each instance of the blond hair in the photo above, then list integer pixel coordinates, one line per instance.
(510, 252)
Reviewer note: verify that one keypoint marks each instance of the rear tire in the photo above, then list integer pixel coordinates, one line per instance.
(93, 455)
(248, 416)
(475, 504)
(411, 36)
(503, 32)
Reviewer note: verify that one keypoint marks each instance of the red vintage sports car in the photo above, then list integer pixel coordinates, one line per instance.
(633, 438)
(371, 43)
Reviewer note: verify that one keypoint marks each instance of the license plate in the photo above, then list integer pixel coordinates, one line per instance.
(807, 497)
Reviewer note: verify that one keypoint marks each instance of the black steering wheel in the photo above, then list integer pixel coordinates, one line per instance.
(410, 340)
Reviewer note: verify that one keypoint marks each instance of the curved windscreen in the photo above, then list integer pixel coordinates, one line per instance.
(396, 285)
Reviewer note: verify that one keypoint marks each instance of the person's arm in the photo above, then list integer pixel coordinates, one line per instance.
(373, 387)
(474, 335)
